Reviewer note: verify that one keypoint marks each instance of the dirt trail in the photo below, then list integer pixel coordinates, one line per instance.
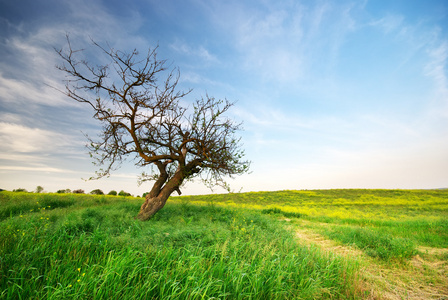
(424, 277)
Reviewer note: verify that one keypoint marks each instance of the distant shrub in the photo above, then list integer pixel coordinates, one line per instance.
(144, 194)
(112, 193)
(78, 191)
(123, 193)
(20, 190)
(39, 189)
(97, 192)
(66, 191)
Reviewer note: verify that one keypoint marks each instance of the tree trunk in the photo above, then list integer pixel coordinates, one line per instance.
(157, 198)
(151, 206)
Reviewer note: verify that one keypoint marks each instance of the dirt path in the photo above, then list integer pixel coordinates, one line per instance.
(424, 277)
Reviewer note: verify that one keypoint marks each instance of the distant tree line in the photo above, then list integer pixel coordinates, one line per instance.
(40, 189)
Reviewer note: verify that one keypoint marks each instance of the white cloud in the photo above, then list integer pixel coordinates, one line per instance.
(437, 67)
(21, 139)
(389, 23)
(197, 52)
(295, 93)
(437, 70)
(30, 92)
(286, 43)
(35, 169)
(32, 59)
(32, 65)
(198, 79)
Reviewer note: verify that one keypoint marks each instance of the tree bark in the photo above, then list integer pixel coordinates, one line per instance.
(153, 203)
(151, 206)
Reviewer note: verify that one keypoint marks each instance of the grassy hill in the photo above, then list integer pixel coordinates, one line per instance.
(230, 246)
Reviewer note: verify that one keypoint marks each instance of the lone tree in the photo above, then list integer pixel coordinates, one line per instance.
(144, 116)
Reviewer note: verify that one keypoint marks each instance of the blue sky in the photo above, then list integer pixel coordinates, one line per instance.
(333, 94)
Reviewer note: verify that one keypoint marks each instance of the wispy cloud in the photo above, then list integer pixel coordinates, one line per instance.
(437, 68)
(21, 139)
(199, 52)
(36, 169)
(345, 93)
(30, 61)
(389, 23)
(285, 42)
(32, 92)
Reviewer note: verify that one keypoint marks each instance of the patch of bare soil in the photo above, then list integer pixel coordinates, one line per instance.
(424, 277)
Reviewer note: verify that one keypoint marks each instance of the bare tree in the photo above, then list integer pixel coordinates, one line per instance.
(144, 117)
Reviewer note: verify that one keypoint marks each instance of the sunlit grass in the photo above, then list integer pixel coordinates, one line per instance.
(341, 204)
(374, 243)
(418, 217)
(20, 203)
(232, 246)
(93, 250)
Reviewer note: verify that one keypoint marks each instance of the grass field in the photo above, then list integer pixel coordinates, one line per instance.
(266, 245)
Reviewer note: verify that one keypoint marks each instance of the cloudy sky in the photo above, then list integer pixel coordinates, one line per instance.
(333, 94)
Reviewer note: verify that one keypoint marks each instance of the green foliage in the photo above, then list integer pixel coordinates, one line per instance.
(123, 193)
(78, 191)
(97, 192)
(64, 191)
(112, 193)
(39, 189)
(19, 190)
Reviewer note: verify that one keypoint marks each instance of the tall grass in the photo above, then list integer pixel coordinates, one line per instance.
(374, 243)
(66, 246)
(394, 217)
(96, 250)
(20, 203)
(341, 204)
(425, 232)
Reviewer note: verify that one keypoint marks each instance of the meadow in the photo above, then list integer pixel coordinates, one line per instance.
(229, 246)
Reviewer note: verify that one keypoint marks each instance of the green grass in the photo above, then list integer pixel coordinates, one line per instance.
(232, 246)
(20, 203)
(431, 233)
(374, 243)
(341, 204)
(407, 217)
(91, 247)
